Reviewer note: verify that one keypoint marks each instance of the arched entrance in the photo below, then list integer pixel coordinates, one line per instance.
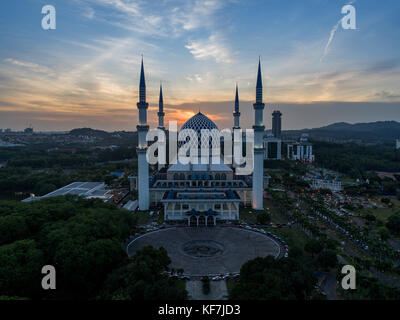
(193, 221)
(202, 221)
(210, 221)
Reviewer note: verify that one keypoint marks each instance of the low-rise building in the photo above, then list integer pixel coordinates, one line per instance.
(326, 183)
(88, 190)
(302, 150)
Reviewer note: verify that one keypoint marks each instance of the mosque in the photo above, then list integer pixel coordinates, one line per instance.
(199, 194)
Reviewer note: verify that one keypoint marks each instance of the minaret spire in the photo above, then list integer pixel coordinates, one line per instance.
(161, 110)
(142, 85)
(161, 100)
(237, 99)
(236, 113)
(259, 87)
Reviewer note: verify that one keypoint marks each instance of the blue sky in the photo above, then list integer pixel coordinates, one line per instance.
(86, 72)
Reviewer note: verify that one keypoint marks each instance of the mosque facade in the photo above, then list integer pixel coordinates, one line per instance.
(198, 193)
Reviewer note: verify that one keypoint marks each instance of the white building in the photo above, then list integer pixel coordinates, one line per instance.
(326, 183)
(89, 190)
(301, 151)
(398, 144)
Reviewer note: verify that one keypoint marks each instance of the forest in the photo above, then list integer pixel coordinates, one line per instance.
(83, 240)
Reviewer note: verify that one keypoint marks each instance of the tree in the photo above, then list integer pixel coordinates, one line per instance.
(383, 233)
(12, 228)
(81, 238)
(270, 279)
(263, 218)
(370, 217)
(327, 259)
(314, 246)
(393, 224)
(143, 278)
(20, 268)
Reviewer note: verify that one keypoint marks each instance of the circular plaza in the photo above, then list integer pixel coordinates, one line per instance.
(208, 251)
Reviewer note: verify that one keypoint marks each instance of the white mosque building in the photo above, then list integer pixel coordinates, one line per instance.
(199, 194)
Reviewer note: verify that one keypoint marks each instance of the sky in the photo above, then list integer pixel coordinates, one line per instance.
(85, 73)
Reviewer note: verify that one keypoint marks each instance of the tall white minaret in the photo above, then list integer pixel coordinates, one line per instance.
(142, 129)
(236, 113)
(236, 126)
(161, 115)
(258, 127)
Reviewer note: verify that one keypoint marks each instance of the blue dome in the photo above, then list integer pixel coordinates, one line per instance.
(199, 122)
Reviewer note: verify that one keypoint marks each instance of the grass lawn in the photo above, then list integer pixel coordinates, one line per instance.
(142, 217)
(384, 213)
(248, 215)
(294, 236)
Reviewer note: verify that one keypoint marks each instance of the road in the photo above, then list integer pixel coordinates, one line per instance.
(218, 290)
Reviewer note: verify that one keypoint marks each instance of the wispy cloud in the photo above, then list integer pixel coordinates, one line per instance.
(195, 14)
(213, 47)
(29, 65)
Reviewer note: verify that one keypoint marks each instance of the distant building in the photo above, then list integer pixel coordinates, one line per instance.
(272, 147)
(276, 123)
(326, 183)
(132, 182)
(28, 130)
(398, 144)
(117, 174)
(301, 151)
(88, 190)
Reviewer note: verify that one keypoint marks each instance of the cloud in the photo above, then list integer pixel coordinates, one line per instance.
(29, 65)
(196, 14)
(213, 47)
(387, 95)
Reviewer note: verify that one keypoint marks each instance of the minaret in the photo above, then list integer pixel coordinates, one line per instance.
(237, 144)
(142, 129)
(161, 113)
(236, 113)
(258, 173)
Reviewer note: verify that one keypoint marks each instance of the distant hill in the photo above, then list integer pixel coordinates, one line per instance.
(380, 131)
(89, 132)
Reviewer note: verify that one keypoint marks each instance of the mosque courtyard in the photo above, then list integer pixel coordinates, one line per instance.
(201, 251)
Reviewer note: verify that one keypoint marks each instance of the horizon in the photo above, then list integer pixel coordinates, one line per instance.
(283, 130)
(86, 72)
